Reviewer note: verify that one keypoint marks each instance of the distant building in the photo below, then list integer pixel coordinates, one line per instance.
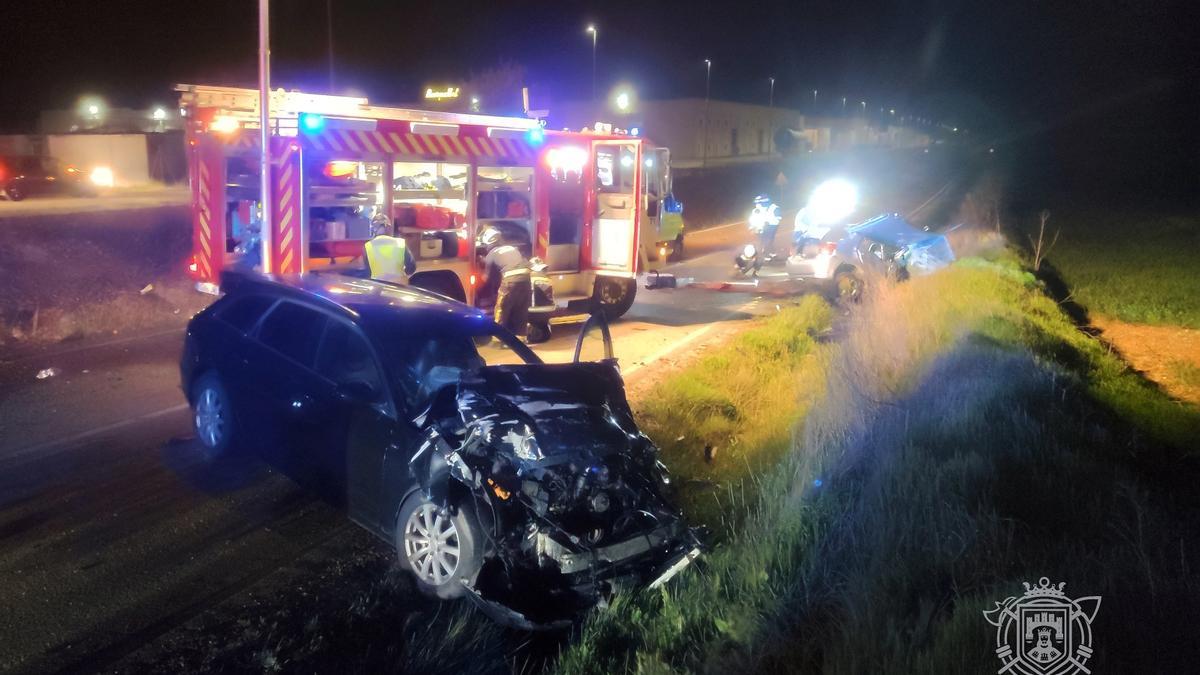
(734, 132)
(110, 121)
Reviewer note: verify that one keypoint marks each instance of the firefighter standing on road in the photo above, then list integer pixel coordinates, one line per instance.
(764, 221)
(505, 267)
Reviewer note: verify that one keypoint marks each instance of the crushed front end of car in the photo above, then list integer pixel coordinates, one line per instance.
(570, 494)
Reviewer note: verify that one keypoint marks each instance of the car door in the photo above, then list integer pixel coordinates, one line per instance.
(279, 368)
(352, 420)
(616, 170)
(232, 354)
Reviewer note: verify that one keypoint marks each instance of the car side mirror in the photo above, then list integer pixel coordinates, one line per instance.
(357, 392)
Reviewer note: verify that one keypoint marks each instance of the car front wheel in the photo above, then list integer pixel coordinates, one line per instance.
(15, 193)
(848, 284)
(443, 550)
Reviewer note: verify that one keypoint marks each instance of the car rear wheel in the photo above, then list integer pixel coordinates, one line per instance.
(212, 416)
(441, 549)
(614, 296)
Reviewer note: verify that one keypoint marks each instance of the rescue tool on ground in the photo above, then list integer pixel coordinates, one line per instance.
(594, 208)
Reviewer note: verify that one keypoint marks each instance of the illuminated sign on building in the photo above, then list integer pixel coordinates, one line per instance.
(441, 94)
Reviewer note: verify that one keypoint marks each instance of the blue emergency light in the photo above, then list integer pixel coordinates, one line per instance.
(536, 136)
(312, 123)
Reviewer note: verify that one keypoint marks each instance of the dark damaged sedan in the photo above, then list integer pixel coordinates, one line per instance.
(524, 486)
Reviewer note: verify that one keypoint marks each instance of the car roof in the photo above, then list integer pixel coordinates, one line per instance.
(890, 228)
(354, 297)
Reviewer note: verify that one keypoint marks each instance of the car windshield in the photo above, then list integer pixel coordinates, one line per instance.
(419, 364)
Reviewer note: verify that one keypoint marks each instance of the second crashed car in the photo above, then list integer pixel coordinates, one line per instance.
(524, 486)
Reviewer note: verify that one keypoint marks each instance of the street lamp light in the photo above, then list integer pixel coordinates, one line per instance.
(771, 99)
(623, 101)
(159, 114)
(864, 106)
(592, 29)
(814, 97)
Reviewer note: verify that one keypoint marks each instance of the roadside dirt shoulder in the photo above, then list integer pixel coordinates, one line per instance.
(1168, 355)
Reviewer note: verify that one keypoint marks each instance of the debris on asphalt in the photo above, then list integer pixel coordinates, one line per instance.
(146, 289)
(45, 373)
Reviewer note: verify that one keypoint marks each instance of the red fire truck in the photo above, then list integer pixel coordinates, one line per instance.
(593, 206)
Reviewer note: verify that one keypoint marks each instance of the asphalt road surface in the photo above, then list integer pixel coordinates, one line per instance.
(112, 534)
(117, 200)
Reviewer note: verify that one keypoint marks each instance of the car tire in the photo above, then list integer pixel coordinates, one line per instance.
(676, 253)
(848, 286)
(614, 296)
(15, 193)
(213, 417)
(442, 551)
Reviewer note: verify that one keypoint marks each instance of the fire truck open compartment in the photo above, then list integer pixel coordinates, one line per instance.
(343, 171)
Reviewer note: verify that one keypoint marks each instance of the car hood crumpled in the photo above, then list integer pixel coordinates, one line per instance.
(574, 410)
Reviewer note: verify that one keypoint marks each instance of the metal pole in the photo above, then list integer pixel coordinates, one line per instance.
(264, 120)
(771, 100)
(595, 33)
(707, 81)
(329, 29)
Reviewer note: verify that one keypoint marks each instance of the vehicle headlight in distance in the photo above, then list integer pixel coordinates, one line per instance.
(102, 176)
(832, 201)
(749, 251)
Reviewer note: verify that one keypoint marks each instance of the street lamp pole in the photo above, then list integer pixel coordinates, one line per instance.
(814, 99)
(771, 100)
(329, 35)
(592, 29)
(707, 89)
(264, 120)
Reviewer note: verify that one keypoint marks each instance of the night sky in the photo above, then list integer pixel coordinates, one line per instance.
(1009, 70)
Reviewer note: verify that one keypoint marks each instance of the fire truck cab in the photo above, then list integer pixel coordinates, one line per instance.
(591, 207)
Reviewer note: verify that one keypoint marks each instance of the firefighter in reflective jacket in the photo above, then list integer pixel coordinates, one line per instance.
(764, 221)
(506, 268)
(389, 259)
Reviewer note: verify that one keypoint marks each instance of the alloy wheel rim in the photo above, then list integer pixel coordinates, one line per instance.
(210, 418)
(431, 545)
(849, 287)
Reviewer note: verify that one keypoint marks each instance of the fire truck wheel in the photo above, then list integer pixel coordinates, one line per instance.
(539, 332)
(677, 250)
(614, 296)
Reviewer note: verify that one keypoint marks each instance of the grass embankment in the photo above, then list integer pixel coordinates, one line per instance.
(968, 438)
(1135, 267)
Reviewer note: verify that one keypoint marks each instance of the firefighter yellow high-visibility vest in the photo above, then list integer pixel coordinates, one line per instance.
(385, 258)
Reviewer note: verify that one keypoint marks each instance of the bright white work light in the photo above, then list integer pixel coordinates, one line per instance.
(832, 201)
